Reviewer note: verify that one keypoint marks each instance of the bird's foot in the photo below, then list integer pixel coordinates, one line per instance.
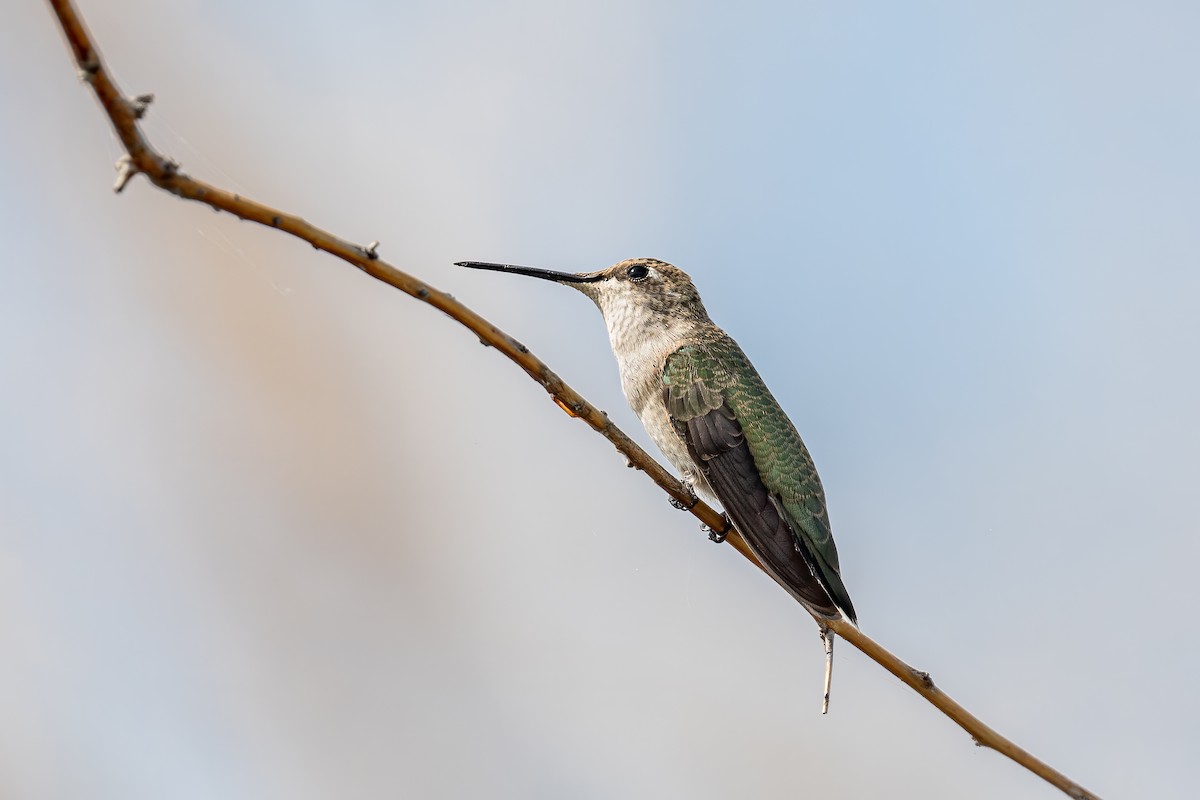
(715, 536)
(689, 504)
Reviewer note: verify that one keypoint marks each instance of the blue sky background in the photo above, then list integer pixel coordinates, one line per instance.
(270, 529)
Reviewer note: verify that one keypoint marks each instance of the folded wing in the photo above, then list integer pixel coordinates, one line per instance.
(779, 514)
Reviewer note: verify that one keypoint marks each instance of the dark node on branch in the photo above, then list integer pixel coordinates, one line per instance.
(276, 221)
(138, 105)
(371, 250)
(125, 170)
(88, 69)
(484, 342)
(422, 293)
(923, 678)
(171, 169)
(522, 348)
(579, 409)
(977, 743)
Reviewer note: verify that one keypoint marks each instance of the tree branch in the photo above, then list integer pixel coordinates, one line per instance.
(141, 157)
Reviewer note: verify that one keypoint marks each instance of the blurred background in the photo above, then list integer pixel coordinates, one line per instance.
(270, 529)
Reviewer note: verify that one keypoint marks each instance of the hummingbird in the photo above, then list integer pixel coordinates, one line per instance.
(708, 410)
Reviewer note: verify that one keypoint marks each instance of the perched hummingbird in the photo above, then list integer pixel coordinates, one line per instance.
(707, 409)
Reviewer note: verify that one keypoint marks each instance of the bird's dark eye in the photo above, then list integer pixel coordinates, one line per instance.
(637, 271)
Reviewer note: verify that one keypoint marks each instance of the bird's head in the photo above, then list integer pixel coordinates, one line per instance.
(643, 289)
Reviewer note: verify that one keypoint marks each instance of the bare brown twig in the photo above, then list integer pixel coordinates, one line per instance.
(141, 157)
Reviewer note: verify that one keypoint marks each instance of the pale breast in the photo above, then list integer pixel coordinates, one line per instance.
(641, 341)
(641, 378)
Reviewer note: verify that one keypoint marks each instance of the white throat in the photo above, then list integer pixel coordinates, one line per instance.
(641, 339)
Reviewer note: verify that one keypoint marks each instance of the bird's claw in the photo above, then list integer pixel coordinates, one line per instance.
(681, 505)
(720, 536)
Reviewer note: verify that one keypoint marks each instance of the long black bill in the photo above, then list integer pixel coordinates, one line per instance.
(533, 272)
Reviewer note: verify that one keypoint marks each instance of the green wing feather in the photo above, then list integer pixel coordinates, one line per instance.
(751, 454)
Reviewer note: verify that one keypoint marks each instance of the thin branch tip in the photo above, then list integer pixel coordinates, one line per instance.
(827, 635)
